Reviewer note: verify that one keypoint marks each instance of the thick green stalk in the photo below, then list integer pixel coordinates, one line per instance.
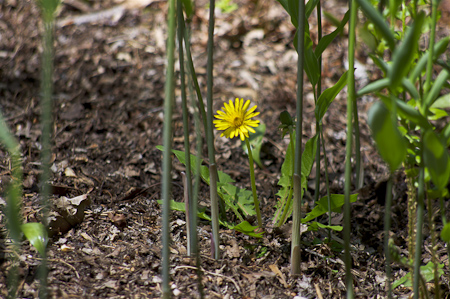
(297, 212)
(167, 141)
(187, 151)
(209, 134)
(387, 228)
(419, 226)
(351, 98)
(252, 178)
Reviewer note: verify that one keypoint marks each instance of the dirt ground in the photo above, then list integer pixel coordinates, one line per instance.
(108, 116)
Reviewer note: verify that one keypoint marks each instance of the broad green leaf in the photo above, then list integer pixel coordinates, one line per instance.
(405, 53)
(321, 208)
(390, 143)
(246, 228)
(36, 233)
(442, 102)
(426, 271)
(439, 48)
(445, 233)
(379, 22)
(328, 96)
(327, 39)
(287, 171)
(256, 141)
(437, 114)
(436, 88)
(436, 159)
(239, 198)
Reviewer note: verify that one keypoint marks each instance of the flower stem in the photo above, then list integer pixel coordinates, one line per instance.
(252, 178)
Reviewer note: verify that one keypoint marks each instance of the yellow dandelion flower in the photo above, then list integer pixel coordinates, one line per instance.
(235, 119)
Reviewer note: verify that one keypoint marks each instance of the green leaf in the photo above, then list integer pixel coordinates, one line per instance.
(426, 271)
(256, 141)
(37, 235)
(442, 102)
(287, 171)
(379, 22)
(246, 228)
(328, 96)
(327, 39)
(405, 53)
(292, 6)
(311, 65)
(439, 48)
(337, 201)
(373, 87)
(436, 88)
(445, 233)
(309, 7)
(436, 159)
(188, 8)
(390, 143)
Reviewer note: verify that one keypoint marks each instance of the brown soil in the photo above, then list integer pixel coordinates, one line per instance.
(108, 109)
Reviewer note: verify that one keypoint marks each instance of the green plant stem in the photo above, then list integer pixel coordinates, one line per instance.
(318, 93)
(297, 212)
(327, 184)
(351, 98)
(444, 220)
(210, 135)
(180, 17)
(167, 141)
(429, 73)
(432, 227)
(190, 63)
(419, 226)
(252, 178)
(387, 228)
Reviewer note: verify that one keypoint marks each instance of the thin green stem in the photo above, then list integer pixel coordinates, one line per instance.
(327, 184)
(419, 226)
(387, 228)
(190, 63)
(167, 141)
(252, 178)
(429, 73)
(351, 98)
(297, 212)
(318, 92)
(186, 126)
(210, 135)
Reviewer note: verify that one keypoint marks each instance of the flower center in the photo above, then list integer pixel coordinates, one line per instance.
(237, 122)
